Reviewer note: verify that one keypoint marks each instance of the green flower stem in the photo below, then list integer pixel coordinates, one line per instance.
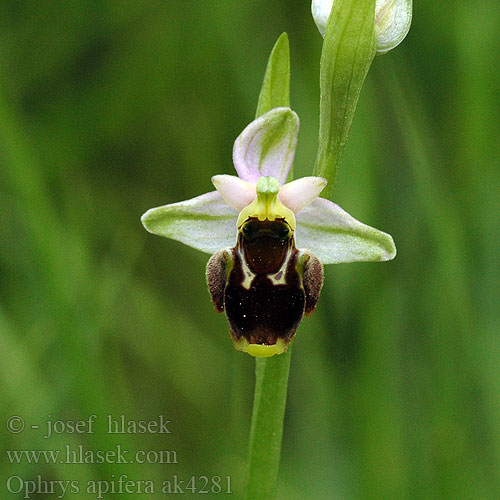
(271, 381)
(271, 374)
(348, 52)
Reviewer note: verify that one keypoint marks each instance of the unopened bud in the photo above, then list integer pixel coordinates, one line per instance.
(392, 20)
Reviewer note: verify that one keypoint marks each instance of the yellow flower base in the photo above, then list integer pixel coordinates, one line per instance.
(261, 350)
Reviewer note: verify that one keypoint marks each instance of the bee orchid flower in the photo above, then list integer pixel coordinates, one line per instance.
(269, 238)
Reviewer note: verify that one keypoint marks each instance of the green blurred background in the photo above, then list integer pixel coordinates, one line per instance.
(110, 108)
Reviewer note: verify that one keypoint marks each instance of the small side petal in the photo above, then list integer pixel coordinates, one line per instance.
(334, 236)
(267, 146)
(206, 222)
(298, 194)
(235, 191)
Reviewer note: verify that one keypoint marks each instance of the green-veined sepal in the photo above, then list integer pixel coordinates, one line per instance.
(206, 222)
(335, 237)
(267, 146)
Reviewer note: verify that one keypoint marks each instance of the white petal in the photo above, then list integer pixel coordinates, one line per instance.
(392, 23)
(235, 191)
(206, 222)
(321, 12)
(334, 236)
(267, 146)
(298, 194)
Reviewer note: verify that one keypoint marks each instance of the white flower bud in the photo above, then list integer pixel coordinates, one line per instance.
(392, 20)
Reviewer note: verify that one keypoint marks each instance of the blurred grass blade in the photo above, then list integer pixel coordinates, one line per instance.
(271, 374)
(348, 51)
(275, 90)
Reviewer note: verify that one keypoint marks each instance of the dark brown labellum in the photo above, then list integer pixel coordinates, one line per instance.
(268, 284)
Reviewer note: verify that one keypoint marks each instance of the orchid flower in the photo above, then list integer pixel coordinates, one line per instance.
(269, 238)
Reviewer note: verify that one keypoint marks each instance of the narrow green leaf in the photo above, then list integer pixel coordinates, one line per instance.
(271, 374)
(275, 91)
(348, 51)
